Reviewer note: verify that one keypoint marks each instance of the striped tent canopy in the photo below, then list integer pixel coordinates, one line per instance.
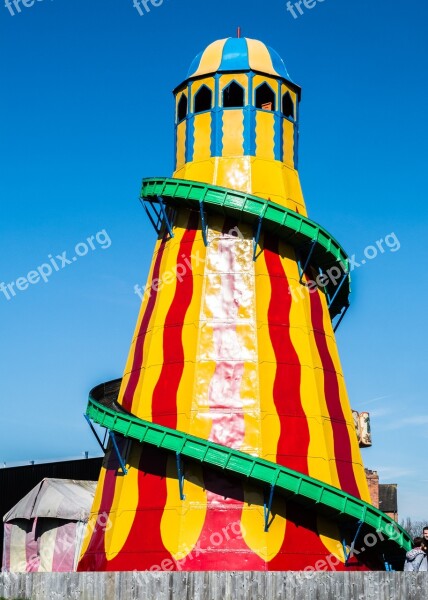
(44, 530)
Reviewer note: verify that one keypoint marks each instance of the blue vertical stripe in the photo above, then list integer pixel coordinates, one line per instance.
(190, 125)
(195, 64)
(296, 136)
(250, 121)
(217, 122)
(174, 162)
(247, 115)
(190, 138)
(278, 128)
(235, 53)
(278, 63)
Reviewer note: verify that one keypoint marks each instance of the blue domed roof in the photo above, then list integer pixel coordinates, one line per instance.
(238, 54)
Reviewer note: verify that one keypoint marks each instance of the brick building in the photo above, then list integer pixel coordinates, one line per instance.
(383, 495)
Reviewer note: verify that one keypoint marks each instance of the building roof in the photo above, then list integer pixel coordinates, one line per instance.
(238, 54)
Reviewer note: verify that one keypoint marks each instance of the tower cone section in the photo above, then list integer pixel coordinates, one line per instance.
(232, 439)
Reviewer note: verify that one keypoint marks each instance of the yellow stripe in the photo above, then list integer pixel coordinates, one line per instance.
(265, 134)
(202, 137)
(288, 142)
(183, 520)
(211, 58)
(181, 145)
(260, 59)
(124, 505)
(233, 132)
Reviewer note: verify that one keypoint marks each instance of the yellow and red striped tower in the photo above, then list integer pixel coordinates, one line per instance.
(233, 443)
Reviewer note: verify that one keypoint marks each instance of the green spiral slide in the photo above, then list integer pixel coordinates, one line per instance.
(306, 491)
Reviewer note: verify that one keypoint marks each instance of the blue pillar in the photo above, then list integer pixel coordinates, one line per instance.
(250, 121)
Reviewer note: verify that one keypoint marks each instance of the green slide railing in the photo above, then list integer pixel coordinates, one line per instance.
(307, 237)
(302, 489)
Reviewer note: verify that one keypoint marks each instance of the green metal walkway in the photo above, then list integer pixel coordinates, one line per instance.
(314, 245)
(304, 490)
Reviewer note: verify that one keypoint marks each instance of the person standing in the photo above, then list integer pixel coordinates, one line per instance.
(416, 559)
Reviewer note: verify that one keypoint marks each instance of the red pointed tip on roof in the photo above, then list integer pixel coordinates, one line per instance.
(238, 33)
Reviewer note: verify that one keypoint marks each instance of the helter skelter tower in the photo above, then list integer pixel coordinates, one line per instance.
(232, 442)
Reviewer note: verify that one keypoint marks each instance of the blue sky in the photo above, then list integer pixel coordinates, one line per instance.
(87, 111)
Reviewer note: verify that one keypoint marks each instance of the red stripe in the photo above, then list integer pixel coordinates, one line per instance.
(134, 377)
(144, 548)
(293, 443)
(342, 443)
(164, 401)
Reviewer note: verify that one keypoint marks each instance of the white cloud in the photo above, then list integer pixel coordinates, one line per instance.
(394, 472)
(380, 412)
(405, 422)
(373, 400)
